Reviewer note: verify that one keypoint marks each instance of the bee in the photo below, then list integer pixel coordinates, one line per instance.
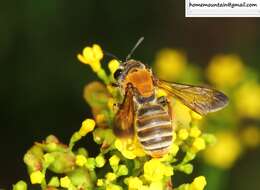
(143, 114)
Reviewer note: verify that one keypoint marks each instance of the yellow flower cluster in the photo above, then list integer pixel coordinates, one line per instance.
(225, 152)
(123, 161)
(247, 100)
(198, 183)
(170, 64)
(86, 127)
(225, 70)
(36, 177)
(135, 183)
(92, 56)
(130, 148)
(155, 170)
(194, 135)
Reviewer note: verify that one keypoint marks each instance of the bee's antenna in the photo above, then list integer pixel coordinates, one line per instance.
(134, 48)
(112, 55)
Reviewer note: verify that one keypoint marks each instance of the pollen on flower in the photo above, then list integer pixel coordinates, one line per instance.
(65, 182)
(87, 126)
(36, 177)
(81, 160)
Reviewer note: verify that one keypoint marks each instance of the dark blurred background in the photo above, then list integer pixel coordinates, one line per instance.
(42, 81)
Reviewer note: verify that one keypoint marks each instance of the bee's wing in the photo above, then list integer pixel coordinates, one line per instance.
(198, 98)
(124, 119)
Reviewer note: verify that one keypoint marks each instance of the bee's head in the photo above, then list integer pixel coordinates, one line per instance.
(129, 65)
(126, 68)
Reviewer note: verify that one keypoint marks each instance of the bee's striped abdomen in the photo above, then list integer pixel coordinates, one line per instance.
(154, 129)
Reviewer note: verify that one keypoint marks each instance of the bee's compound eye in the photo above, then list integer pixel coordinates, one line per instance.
(118, 73)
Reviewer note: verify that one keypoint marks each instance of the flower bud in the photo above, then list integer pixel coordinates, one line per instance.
(100, 161)
(65, 182)
(54, 182)
(64, 162)
(20, 185)
(122, 170)
(81, 160)
(36, 177)
(90, 164)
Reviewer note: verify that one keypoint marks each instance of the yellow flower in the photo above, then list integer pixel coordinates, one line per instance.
(170, 64)
(155, 170)
(183, 134)
(247, 100)
(100, 182)
(100, 161)
(114, 160)
(198, 144)
(111, 176)
(198, 183)
(54, 182)
(195, 132)
(129, 148)
(113, 65)
(81, 160)
(65, 182)
(92, 56)
(134, 183)
(122, 170)
(87, 126)
(20, 185)
(250, 136)
(225, 70)
(174, 149)
(113, 187)
(225, 152)
(156, 185)
(36, 177)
